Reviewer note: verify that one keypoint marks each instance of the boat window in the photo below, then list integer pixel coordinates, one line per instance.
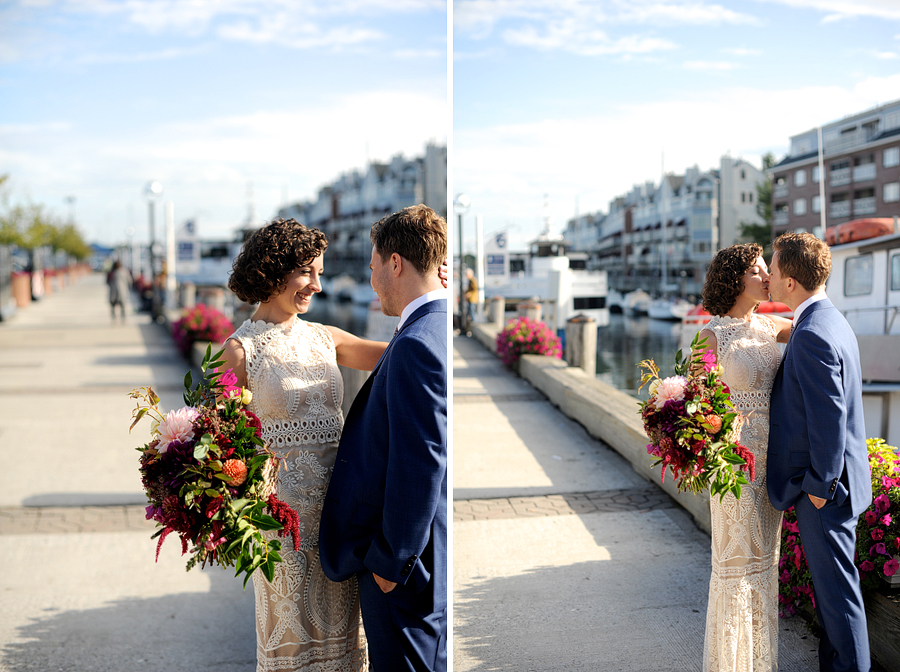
(858, 275)
(895, 273)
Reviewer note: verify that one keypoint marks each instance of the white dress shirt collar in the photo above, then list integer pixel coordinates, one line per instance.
(820, 296)
(414, 305)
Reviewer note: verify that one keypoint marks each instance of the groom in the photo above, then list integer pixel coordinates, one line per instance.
(385, 512)
(817, 459)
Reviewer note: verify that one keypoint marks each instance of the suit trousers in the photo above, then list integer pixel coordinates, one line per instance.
(399, 638)
(829, 541)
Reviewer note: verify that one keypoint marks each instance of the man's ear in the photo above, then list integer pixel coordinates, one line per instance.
(396, 262)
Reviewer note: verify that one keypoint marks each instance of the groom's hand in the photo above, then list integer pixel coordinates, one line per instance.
(385, 585)
(817, 502)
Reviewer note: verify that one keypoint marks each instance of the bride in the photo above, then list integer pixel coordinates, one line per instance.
(742, 616)
(304, 621)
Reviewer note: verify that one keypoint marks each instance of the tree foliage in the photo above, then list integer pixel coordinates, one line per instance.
(30, 226)
(762, 233)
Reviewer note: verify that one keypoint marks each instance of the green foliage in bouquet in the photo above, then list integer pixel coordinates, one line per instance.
(208, 474)
(691, 424)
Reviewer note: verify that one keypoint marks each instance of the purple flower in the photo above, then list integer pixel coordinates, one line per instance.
(867, 565)
(882, 504)
(871, 517)
(879, 548)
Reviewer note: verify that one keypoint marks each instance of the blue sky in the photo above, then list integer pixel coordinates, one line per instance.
(580, 100)
(208, 96)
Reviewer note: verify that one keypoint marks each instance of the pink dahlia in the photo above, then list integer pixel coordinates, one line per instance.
(176, 426)
(670, 389)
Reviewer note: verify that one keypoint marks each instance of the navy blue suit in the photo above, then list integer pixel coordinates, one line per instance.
(385, 511)
(817, 446)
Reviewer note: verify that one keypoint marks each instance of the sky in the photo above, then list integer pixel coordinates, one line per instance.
(224, 102)
(574, 102)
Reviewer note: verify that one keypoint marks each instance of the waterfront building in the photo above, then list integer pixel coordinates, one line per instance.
(861, 163)
(346, 209)
(660, 238)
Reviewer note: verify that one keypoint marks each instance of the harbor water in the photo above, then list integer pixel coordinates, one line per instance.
(627, 341)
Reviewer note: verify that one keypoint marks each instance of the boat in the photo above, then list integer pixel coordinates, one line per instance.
(858, 229)
(697, 318)
(557, 279)
(637, 303)
(673, 309)
(865, 286)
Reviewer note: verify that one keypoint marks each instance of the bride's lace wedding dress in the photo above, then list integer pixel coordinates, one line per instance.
(742, 617)
(304, 621)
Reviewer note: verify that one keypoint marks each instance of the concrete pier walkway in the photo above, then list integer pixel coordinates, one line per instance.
(563, 557)
(79, 588)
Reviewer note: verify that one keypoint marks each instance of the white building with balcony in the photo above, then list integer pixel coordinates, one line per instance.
(346, 209)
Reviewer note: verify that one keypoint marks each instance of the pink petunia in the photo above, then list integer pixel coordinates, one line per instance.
(877, 534)
(882, 504)
(871, 517)
(867, 565)
(891, 566)
(886, 520)
(880, 549)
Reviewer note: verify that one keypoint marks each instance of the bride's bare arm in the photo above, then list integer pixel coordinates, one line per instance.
(235, 359)
(355, 352)
(712, 343)
(783, 328)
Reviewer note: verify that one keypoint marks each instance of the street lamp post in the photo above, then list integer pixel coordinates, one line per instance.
(461, 206)
(153, 190)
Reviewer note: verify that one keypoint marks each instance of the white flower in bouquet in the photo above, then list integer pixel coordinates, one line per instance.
(176, 426)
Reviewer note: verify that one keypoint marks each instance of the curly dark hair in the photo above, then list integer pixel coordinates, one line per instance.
(724, 278)
(269, 255)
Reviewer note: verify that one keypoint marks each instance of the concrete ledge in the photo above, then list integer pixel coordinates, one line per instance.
(609, 415)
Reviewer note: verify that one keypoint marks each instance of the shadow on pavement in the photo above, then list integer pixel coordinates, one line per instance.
(186, 632)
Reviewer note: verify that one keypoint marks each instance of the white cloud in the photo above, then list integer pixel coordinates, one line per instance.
(506, 169)
(887, 55)
(574, 36)
(477, 18)
(837, 10)
(741, 51)
(719, 66)
(205, 165)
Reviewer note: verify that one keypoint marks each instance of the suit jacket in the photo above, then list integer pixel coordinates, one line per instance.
(386, 506)
(817, 436)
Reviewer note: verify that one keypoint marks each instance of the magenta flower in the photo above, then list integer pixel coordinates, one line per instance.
(891, 566)
(867, 565)
(877, 534)
(709, 361)
(887, 520)
(882, 504)
(871, 517)
(880, 549)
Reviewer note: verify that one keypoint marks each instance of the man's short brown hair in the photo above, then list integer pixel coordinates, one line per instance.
(803, 257)
(417, 233)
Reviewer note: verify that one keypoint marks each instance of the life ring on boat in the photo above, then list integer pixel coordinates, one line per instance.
(858, 229)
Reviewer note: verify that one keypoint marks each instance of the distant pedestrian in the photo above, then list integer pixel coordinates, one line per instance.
(471, 296)
(119, 281)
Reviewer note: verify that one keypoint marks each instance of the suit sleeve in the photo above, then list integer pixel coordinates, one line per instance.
(416, 391)
(820, 375)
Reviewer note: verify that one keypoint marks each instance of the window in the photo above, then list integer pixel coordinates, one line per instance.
(891, 193)
(895, 273)
(800, 206)
(858, 275)
(816, 204)
(815, 174)
(891, 157)
(750, 197)
(743, 174)
(743, 197)
(799, 178)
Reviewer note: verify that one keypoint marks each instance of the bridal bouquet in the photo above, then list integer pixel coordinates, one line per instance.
(209, 476)
(691, 423)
